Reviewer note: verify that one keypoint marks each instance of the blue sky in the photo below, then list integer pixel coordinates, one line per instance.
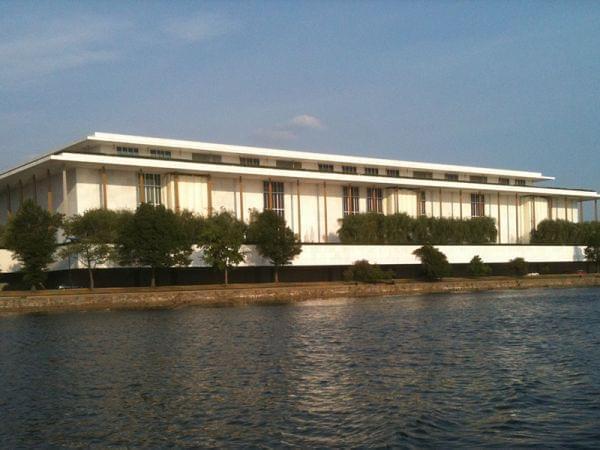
(498, 83)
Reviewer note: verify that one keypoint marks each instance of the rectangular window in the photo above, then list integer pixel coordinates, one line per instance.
(350, 201)
(325, 167)
(371, 171)
(273, 197)
(503, 180)
(451, 176)
(349, 169)
(160, 154)
(127, 151)
(422, 204)
(519, 182)
(392, 172)
(251, 162)
(152, 188)
(288, 164)
(375, 200)
(207, 158)
(477, 205)
(424, 175)
(477, 179)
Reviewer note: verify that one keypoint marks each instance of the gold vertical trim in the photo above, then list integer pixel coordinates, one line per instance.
(533, 218)
(104, 188)
(241, 199)
(209, 187)
(517, 207)
(325, 209)
(270, 195)
(176, 192)
(299, 212)
(141, 187)
(499, 222)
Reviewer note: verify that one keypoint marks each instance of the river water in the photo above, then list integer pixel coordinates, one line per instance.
(514, 368)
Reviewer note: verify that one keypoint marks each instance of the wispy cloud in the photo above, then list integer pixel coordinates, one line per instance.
(58, 46)
(41, 48)
(291, 129)
(199, 28)
(305, 121)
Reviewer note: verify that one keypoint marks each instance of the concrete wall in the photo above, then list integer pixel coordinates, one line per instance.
(340, 255)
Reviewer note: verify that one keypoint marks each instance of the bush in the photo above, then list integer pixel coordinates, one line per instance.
(365, 272)
(372, 228)
(564, 232)
(592, 250)
(434, 263)
(477, 268)
(518, 266)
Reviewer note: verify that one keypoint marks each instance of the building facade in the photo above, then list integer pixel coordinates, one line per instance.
(311, 191)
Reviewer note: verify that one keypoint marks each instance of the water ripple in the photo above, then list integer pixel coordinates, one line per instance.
(507, 369)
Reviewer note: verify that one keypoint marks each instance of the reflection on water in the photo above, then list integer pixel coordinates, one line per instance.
(511, 368)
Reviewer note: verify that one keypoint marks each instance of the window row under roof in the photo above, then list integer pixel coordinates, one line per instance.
(251, 161)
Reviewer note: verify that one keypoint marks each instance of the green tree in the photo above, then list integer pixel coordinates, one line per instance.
(31, 235)
(477, 268)
(92, 236)
(518, 266)
(155, 237)
(434, 263)
(221, 240)
(592, 251)
(274, 240)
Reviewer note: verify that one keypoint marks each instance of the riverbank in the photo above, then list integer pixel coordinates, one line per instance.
(250, 294)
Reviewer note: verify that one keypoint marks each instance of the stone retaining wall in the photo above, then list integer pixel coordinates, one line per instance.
(49, 301)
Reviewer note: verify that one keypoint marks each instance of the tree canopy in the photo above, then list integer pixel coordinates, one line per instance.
(155, 237)
(32, 235)
(221, 239)
(91, 237)
(274, 239)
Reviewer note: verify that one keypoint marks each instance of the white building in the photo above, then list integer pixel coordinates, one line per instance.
(313, 191)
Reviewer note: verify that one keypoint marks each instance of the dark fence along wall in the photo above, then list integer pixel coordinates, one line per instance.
(132, 277)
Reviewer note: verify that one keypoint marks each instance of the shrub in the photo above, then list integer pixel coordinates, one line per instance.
(365, 272)
(434, 263)
(518, 266)
(477, 268)
(363, 229)
(397, 228)
(564, 232)
(592, 251)
(372, 228)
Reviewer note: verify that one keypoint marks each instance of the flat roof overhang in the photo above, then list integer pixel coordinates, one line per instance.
(305, 156)
(55, 162)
